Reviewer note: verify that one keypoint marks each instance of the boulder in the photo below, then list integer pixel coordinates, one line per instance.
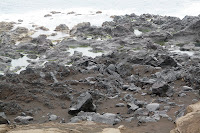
(62, 28)
(79, 28)
(161, 88)
(190, 123)
(21, 30)
(83, 103)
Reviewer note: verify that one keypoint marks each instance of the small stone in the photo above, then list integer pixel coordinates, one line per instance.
(42, 28)
(129, 98)
(121, 127)
(23, 119)
(120, 105)
(132, 107)
(47, 15)
(129, 119)
(156, 117)
(182, 94)
(194, 100)
(20, 20)
(145, 119)
(172, 103)
(153, 107)
(187, 88)
(166, 108)
(55, 12)
(98, 12)
(54, 34)
(71, 12)
(62, 120)
(143, 94)
(23, 114)
(53, 117)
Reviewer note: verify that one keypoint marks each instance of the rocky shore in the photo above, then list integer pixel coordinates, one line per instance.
(145, 72)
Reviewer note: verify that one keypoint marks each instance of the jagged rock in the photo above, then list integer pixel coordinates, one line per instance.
(48, 15)
(129, 98)
(21, 30)
(132, 107)
(161, 88)
(3, 119)
(62, 28)
(10, 108)
(6, 26)
(83, 103)
(167, 61)
(79, 28)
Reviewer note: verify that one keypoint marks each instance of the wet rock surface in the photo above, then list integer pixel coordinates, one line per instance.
(139, 80)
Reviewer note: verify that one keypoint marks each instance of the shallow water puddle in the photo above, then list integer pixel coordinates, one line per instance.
(18, 65)
(1, 73)
(137, 32)
(190, 53)
(86, 51)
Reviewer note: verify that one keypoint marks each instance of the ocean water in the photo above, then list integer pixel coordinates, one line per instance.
(32, 11)
(178, 8)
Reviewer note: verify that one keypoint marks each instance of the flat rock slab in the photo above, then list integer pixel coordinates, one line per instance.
(83, 127)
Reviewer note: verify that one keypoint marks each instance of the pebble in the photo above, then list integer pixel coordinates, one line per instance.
(53, 117)
(120, 105)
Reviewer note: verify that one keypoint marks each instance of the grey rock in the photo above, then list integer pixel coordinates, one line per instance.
(187, 88)
(156, 117)
(3, 118)
(172, 103)
(145, 119)
(106, 118)
(23, 119)
(129, 98)
(53, 117)
(129, 119)
(83, 103)
(131, 107)
(62, 120)
(140, 103)
(141, 112)
(194, 100)
(120, 105)
(180, 112)
(62, 28)
(161, 88)
(153, 107)
(166, 108)
(182, 94)
(111, 67)
(134, 88)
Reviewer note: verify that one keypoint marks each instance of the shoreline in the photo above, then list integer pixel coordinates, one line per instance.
(143, 73)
